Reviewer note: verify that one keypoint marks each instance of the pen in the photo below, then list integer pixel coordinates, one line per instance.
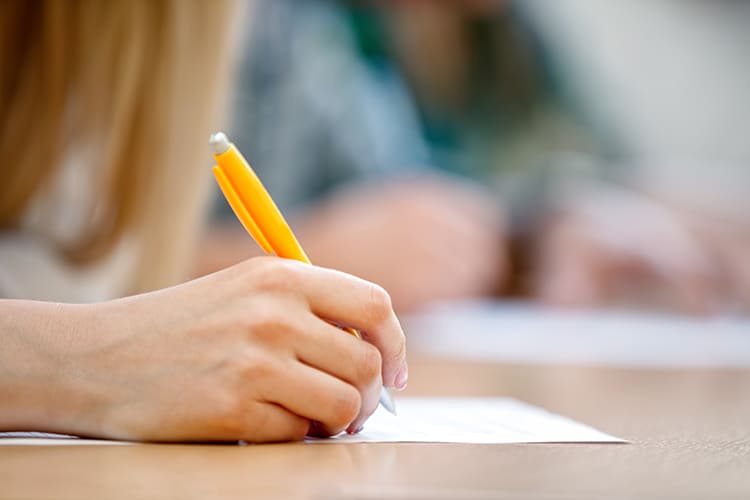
(258, 213)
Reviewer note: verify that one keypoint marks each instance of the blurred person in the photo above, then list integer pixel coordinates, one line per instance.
(340, 101)
(105, 111)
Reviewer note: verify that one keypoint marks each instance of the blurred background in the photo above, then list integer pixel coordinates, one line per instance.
(575, 152)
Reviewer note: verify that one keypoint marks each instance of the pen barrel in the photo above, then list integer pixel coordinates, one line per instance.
(352, 331)
(260, 205)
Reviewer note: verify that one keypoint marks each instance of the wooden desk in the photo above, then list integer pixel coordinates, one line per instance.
(690, 432)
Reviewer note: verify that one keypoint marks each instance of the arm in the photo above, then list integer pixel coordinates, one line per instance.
(36, 340)
(240, 354)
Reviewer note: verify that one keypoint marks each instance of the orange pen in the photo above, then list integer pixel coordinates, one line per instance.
(260, 216)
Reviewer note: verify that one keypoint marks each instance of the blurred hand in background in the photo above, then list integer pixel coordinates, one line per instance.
(423, 239)
(619, 247)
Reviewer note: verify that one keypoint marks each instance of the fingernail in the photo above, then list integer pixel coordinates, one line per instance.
(402, 377)
(355, 431)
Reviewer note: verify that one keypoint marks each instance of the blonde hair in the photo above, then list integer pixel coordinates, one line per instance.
(139, 81)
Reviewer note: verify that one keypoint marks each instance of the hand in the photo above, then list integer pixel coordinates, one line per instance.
(618, 246)
(423, 239)
(242, 354)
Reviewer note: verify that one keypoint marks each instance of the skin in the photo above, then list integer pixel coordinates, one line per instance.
(424, 240)
(623, 247)
(242, 354)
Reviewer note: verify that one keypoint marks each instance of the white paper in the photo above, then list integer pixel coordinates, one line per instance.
(47, 439)
(470, 420)
(425, 420)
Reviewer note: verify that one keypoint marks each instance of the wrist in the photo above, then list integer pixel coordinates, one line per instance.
(43, 384)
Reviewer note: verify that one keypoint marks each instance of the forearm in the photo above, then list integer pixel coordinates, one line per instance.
(38, 387)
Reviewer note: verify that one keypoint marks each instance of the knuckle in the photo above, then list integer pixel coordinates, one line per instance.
(269, 331)
(230, 418)
(399, 353)
(253, 367)
(346, 406)
(370, 364)
(265, 426)
(298, 430)
(276, 275)
(269, 323)
(379, 305)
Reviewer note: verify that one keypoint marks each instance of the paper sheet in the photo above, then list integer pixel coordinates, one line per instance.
(47, 439)
(426, 420)
(470, 420)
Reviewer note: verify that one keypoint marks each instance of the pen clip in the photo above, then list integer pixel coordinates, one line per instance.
(239, 209)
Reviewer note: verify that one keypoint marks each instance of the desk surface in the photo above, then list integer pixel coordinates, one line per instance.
(690, 433)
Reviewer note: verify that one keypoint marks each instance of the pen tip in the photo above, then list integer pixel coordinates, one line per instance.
(387, 401)
(219, 142)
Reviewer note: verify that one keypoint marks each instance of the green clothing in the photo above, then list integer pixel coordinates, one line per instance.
(322, 101)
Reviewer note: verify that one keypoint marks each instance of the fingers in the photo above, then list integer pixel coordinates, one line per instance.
(268, 422)
(315, 395)
(350, 301)
(346, 357)
(582, 267)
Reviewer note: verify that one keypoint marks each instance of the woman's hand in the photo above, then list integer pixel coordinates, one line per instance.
(242, 354)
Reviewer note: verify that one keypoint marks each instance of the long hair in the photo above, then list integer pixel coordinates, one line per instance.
(135, 84)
